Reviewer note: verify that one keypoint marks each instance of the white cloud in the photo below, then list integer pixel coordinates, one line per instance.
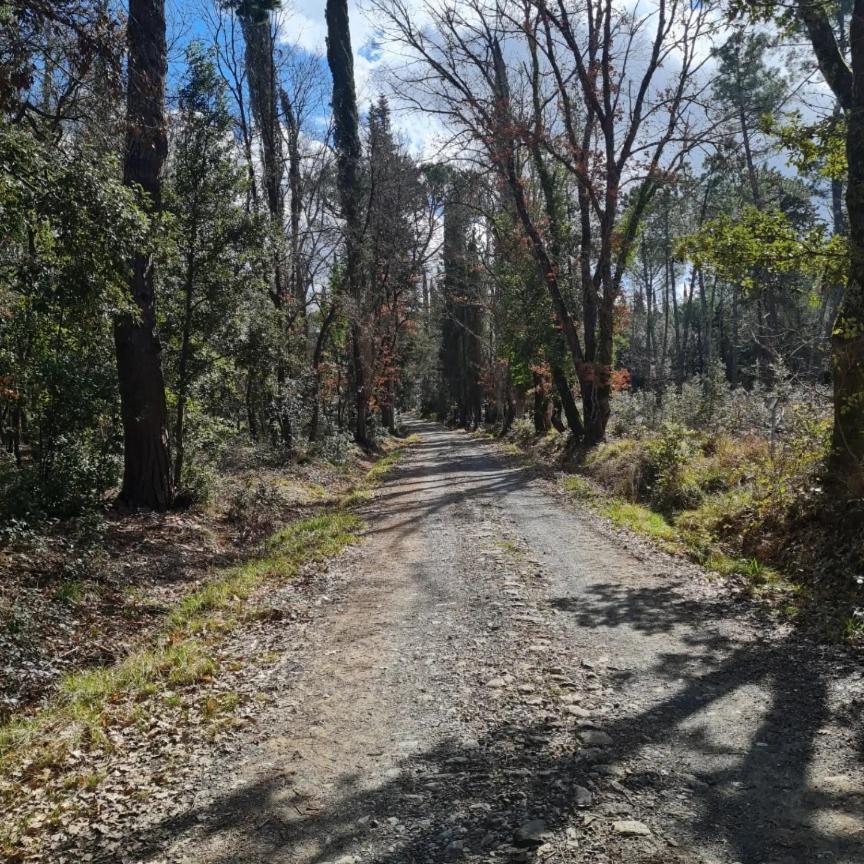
(304, 25)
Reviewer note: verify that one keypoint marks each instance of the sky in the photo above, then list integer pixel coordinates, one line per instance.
(303, 28)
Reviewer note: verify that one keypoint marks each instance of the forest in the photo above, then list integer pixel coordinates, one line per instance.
(258, 256)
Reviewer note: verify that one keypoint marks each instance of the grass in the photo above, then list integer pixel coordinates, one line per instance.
(184, 652)
(510, 548)
(643, 521)
(71, 591)
(673, 538)
(580, 488)
(737, 507)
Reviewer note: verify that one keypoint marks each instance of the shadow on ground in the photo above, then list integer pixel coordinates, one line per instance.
(754, 803)
(761, 804)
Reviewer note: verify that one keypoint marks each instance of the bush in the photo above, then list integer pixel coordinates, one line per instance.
(707, 403)
(255, 508)
(73, 478)
(665, 480)
(335, 446)
(522, 431)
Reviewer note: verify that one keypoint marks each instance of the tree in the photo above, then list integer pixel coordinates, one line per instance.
(346, 138)
(214, 233)
(846, 80)
(146, 460)
(586, 103)
(462, 325)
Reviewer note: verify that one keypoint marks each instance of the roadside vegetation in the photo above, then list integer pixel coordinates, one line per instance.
(177, 669)
(223, 275)
(751, 506)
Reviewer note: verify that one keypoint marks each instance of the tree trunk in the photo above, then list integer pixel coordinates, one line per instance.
(541, 404)
(297, 283)
(183, 374)
(596, 406)
(146, 458)
(847, 341)
(346, 137)
(261, 72)
(568, 403)
(317, 356)
(388, 412)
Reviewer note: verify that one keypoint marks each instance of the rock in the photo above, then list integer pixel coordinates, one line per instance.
(593, 754)
(496, 683)
(594, 738)
(615, 808)
(631, 828)
(577, 711)
(582, 797)
(530, 833)
(526, 688)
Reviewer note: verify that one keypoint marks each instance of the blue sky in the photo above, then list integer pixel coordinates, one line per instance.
(303, 28)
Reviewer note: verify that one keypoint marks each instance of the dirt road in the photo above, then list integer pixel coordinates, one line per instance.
(495, 675)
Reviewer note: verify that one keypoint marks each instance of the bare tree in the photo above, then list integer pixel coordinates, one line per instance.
(572, 86)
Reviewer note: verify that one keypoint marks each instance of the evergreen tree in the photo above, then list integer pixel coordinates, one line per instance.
(216, 238)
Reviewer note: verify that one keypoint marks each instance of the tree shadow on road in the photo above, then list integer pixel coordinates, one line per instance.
(749, 796)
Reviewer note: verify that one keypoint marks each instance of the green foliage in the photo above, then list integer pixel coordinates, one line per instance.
(212, 281)
(665, 479)
(737, 247)
(523, 431)
(70, 229)
(815, 149)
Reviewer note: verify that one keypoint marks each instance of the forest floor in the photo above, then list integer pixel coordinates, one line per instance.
(494, 673)
(88, 593)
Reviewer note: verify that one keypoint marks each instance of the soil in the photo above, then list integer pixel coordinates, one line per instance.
(496, 674)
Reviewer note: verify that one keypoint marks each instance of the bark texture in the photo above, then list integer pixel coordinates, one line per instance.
(346, 137)
(146, 459)
(847, 341)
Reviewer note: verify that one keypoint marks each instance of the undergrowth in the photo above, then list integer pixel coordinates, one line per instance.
(749, 506)
(185, 650)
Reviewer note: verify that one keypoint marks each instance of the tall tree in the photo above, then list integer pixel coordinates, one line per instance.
(261, 74)
(346, 137)
(847, 82)
(205, 190)
(838, 47)
(461, 357)
(146, 459)
(596, 110)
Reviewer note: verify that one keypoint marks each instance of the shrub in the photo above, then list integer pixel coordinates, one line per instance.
(666, 481)
(255, 508)
(73, 478)
(335, 446)
(522, 431)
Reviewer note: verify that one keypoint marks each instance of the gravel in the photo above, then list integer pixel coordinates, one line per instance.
(498, 675)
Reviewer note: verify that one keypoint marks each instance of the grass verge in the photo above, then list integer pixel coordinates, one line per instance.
(183, 653)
